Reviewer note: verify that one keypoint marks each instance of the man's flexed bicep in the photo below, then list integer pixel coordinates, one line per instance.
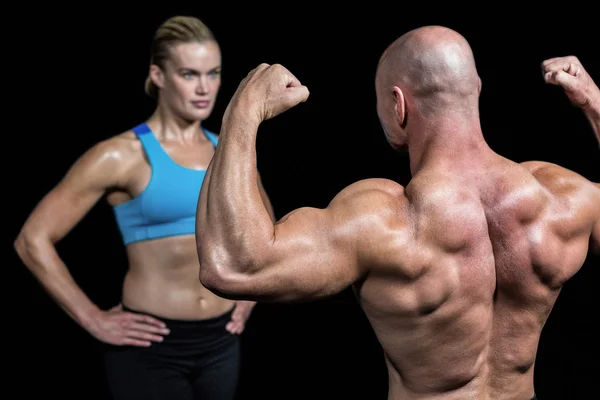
(309, 257)
(314, 253)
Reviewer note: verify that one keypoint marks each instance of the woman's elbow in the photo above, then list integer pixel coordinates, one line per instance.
(28, 245)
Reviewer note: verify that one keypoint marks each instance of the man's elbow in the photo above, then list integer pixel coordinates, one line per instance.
(225, 284)
(223, 275)
(211, 276)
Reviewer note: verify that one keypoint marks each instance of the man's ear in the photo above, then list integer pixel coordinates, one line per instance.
(400, 106)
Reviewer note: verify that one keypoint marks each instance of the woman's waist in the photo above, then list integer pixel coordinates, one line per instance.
(182, 299)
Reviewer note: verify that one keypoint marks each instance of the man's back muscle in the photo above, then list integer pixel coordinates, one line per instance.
(476, 271)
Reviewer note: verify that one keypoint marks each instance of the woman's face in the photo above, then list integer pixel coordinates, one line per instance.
(191, 79)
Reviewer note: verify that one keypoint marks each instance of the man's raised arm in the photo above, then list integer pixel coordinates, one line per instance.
(243, 253)
(569, 73)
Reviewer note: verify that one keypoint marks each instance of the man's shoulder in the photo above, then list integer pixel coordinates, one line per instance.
(535, 166)
(370, 188)
(568, 190)
(554, 176)
(373, 197)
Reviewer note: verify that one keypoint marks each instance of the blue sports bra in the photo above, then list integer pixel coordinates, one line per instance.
(167, 206)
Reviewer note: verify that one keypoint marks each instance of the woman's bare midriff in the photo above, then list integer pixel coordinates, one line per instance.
(163, 280)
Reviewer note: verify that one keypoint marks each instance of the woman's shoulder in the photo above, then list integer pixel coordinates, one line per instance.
(119, 148)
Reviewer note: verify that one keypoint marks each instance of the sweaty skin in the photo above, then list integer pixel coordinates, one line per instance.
(457, 272)
(162, 276)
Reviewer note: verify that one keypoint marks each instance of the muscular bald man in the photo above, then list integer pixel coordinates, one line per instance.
(457, 272)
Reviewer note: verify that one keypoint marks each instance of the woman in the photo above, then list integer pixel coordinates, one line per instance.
(170, 338)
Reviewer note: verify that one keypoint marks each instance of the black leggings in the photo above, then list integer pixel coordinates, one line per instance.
(196, 360)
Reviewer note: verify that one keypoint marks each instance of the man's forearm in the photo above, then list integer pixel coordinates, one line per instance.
(592, 113)
(232, 217)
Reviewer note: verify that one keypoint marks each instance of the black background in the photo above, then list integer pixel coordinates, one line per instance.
(78, 75)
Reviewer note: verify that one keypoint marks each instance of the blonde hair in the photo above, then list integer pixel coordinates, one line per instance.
(175, 30)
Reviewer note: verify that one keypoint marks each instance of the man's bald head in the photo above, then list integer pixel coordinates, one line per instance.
(428, 62)
(426, 74)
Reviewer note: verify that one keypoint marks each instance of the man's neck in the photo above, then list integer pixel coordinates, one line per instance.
(446, 142)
